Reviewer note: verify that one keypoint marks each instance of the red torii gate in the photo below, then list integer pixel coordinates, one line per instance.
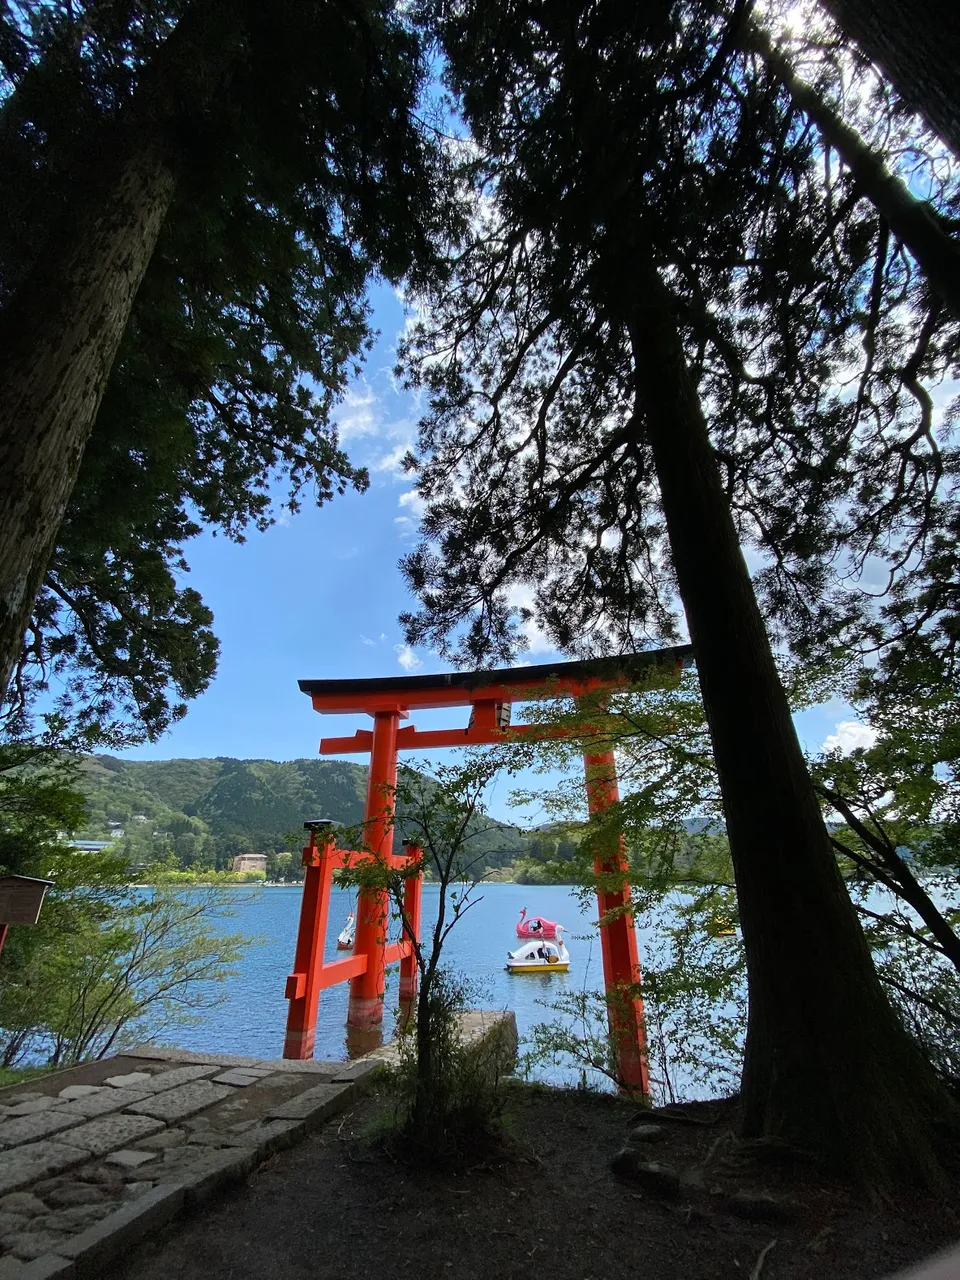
(489, 695)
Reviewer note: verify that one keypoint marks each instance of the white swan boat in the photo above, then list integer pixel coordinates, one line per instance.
(347, 934)
(539, 956)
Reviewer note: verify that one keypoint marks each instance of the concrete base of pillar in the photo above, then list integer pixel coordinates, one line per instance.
(362, 1013)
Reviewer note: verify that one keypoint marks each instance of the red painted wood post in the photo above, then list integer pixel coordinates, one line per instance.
(303, 990)
(412, 909)
(366, 990)
(3, 937)
(618, 937)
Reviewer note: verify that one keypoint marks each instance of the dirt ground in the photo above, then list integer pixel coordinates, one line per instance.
(545, 1204)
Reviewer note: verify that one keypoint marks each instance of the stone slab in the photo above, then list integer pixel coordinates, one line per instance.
(50, 1267)
(79, 1091)
(316, 1104)
(179, 1075)
(21, 1166)
(133, 1190)
(131, 1159)
(31, 1128)
(101, 1104)
(176, 1104)
(31, 1107)
(23, 1203)
(163, 1141)
(356, 1070)
(75, 1195)
(92, 1249)
(111, 1132)
(29, 1245)
(130, 1080)
(241, 1077)
(291, 1080)
(275, 1135)
(215, 1170)
(78, 1217)
(224, 1060)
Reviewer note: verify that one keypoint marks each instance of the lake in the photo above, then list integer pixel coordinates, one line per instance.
(252, 1017)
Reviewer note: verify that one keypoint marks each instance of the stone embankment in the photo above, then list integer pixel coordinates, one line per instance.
(93, 1158)
(98, 1156)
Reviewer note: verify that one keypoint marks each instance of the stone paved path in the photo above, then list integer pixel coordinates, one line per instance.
(84, 1153)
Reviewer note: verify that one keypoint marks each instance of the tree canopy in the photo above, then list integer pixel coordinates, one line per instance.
(674, 329)
(811, 334)
(307, 171)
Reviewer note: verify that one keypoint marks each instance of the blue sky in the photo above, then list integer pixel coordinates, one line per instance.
(318, 595)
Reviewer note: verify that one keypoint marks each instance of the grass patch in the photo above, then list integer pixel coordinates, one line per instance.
(17, 1075)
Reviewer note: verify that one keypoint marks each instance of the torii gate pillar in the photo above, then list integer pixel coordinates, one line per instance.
(618, 936)
(366, 989)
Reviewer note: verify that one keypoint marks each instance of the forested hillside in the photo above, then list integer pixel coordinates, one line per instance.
(203, 812)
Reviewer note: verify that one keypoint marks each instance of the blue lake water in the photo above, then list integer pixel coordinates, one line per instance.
(251, 1018)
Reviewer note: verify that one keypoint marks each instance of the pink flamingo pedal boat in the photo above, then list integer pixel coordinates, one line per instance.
(536, 927)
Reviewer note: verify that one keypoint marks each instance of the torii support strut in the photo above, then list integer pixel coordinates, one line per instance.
(371, 955)
(489, 695)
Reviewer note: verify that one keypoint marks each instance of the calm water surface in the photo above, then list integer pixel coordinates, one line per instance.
(251, 1019)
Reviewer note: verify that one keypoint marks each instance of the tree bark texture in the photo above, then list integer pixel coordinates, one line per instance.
(916, 44)
(60, 332)
(828, 1066)
(57, 346)
(911, 220)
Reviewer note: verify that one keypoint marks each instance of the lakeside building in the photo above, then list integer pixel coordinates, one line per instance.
(250, 862)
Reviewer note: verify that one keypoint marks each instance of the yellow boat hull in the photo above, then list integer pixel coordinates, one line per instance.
(538, 968)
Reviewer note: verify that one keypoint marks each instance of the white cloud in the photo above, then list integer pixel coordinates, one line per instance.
(848, 735)
(412, 500)
(521, 596)
(366, 640)
(356, 416)
(393, 461)
(406, 527)
(407, 659)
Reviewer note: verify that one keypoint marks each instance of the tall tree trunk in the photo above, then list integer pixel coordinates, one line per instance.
(58, 339)
(828, 1065)
(916, 45)
(60, 332)
(910, 219)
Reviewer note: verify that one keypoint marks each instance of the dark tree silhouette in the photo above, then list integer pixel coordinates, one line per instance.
(630, 374)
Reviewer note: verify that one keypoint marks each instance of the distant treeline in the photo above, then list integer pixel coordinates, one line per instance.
(196, 815)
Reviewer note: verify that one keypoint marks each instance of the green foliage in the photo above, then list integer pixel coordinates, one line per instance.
(921, 980)
(464, 1100)
(450, 1090)
(608, 137)
(901, 798)
(200, 813)
(152, 966)
(108, 963)
(305, 174)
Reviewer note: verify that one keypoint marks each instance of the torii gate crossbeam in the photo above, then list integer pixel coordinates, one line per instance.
(389, 700)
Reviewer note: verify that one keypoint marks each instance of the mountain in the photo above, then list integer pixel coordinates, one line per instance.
(203, 812)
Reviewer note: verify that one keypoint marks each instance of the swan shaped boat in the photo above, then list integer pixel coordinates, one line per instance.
(539, 956)
(347, 934)
(536, 926)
